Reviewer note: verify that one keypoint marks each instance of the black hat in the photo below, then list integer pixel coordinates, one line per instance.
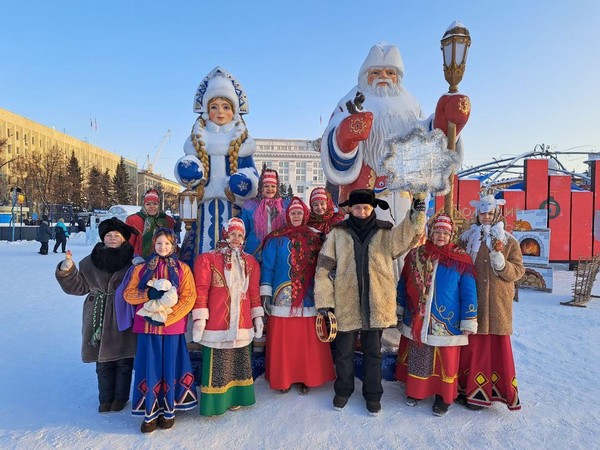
(365, 196)
(114, 224)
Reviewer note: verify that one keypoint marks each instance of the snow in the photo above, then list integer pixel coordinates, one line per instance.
(49, 397)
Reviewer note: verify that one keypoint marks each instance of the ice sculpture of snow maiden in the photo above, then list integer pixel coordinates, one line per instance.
(218, 160)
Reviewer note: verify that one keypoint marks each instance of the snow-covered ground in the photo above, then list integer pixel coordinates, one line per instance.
(48, 397)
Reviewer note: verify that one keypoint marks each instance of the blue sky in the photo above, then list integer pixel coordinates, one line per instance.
(134, 67)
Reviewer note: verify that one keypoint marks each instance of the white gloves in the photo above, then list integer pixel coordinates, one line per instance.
(198, 329)
(137, 260)
(497, 260)
(258, 327)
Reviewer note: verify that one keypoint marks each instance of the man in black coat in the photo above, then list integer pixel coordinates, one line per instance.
(44, 235)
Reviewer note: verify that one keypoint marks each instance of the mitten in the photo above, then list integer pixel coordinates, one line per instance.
(354, 129)
(258, 327)
(198, 329)
(454, 108)
(240, 184)
(154, 294)
(497, 260)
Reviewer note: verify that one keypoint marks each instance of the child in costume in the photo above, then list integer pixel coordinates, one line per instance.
(164, 380)
(227, 315)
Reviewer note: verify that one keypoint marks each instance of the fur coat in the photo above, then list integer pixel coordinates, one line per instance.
(101, 272)
(336, 277)
(496, 289)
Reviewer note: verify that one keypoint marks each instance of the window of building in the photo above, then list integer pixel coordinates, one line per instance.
(301, 171)
(300, 189)
(284, 171)
(318, 175)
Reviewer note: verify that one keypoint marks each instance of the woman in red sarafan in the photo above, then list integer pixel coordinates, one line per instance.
(294, 352)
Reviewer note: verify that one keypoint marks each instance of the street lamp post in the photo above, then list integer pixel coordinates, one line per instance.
(137, 193)
(454, 45)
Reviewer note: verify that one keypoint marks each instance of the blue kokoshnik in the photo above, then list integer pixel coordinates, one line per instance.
(164, 380)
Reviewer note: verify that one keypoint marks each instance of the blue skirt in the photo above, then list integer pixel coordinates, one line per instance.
(164, 380)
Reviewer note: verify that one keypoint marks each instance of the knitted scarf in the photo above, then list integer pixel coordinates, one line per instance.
(151, 223)
(420, 267)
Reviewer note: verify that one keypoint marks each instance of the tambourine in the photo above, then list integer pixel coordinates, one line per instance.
(330, 323)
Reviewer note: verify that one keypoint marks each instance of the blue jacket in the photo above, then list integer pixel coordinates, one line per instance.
(276, 280)
(450, 307)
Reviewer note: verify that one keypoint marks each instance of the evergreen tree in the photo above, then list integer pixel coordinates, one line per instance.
(283, 190)
(106, 188)
(121, 185)
(290, 192)
(73, 183)
(94, 189)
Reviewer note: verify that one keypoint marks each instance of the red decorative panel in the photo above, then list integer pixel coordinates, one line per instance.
(559, 216)
(595, 170)
(536, 183)
(581, 224)
(468, 190)
(515, 199)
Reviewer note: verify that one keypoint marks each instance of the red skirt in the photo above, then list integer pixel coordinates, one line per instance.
(295, 354)
(428, 370)
(487, 371)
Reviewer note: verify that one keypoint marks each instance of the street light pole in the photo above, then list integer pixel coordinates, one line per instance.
(137, 193)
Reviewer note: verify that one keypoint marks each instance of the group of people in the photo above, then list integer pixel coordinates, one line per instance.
(44, 235)
(255, 271)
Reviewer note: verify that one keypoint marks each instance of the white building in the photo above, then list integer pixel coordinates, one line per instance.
(297, 161)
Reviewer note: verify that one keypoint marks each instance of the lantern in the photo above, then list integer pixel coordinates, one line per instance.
(455, 46)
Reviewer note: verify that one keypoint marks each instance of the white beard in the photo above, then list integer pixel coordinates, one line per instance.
(395, 113)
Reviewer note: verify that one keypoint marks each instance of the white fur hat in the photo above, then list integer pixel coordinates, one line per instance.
(383, 54)
(487, 203)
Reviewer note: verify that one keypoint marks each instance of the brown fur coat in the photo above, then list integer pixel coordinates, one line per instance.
(336, 277)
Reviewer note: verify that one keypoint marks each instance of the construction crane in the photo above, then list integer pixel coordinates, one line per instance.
(156, 151)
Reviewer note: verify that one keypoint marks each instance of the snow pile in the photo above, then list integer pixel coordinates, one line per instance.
(49, 397)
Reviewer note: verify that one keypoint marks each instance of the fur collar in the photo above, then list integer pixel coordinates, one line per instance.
(112, 259)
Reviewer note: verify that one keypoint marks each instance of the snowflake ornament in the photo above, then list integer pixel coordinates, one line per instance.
(419, 162)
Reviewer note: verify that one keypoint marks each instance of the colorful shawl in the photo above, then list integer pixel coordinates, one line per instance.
(420, 267)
